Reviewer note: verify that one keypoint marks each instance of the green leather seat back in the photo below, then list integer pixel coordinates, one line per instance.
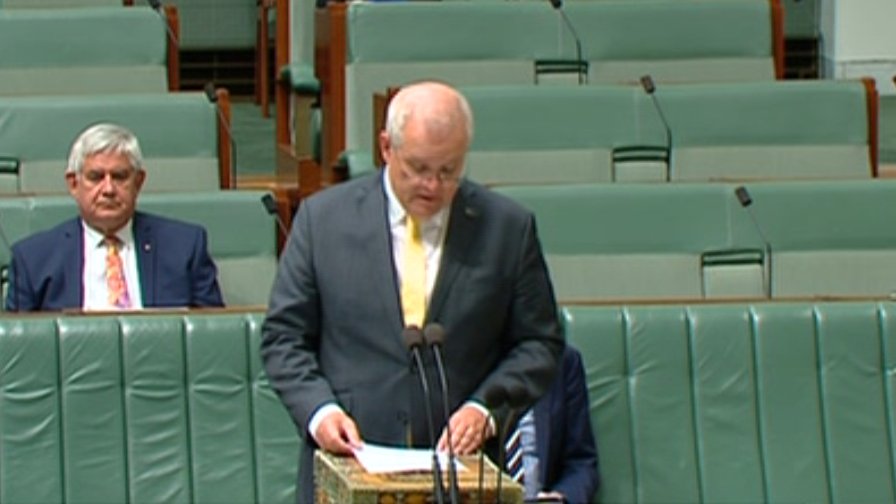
(680, 41)
(887, 132)
(216, 24)
(771, 402)
(549, 135)
(625, 241)
(95, 50)
(141, 408)
(765, 130)
(829, 238)
(57, 4)
(177, 132)
(241, 234)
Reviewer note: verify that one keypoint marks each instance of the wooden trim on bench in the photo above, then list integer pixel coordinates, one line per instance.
(872, 105)
(173, 39)
(329, 66)
(225, 141)
(777, 37)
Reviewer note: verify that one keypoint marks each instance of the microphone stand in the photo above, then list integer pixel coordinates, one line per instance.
(413, 339)
(434, 335)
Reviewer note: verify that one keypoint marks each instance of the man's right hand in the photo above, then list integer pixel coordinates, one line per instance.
(337, 433)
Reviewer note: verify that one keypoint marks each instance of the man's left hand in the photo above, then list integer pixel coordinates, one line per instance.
(467, 429)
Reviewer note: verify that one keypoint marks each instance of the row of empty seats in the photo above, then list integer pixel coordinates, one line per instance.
(618, 242)
(716, 132)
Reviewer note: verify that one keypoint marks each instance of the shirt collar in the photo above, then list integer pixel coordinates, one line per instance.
(97, 239)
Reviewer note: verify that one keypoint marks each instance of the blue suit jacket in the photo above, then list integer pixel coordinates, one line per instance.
(567, 453)
(172, 260)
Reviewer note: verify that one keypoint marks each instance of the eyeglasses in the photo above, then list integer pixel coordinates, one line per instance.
(418, 174)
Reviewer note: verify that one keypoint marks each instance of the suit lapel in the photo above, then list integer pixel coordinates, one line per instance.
(73, 271)
(372, 208)
(461, 229)
(146, 258)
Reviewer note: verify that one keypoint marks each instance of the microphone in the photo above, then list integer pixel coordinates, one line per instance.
(743, 196)
(434, 335)
(515, 398)
(581, 68)
(271, 206)
(9, 275)
(494, 398)
(156, 5)
(413, 340)
(650, 89)
(212, 96)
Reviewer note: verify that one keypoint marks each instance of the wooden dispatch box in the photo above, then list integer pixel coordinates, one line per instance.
(342, 480)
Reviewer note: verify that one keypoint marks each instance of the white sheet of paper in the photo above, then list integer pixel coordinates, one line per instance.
(385, 459)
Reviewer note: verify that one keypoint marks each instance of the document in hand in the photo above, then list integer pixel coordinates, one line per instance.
(384, 459)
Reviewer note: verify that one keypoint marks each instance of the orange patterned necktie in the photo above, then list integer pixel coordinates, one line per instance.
(115, 282)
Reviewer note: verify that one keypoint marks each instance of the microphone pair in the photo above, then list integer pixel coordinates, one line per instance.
(513, 398)
(433, 336)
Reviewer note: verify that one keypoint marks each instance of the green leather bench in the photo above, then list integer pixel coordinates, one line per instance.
(162, 407)
(606, 242)
(722, 131)
(765, 402)
(178, 133)
(86, 50)
(241, 234)
(56, 4)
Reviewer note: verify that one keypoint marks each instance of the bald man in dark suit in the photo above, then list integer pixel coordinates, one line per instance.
(332, 339)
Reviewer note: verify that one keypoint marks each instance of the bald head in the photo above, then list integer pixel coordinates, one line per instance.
(434, 106)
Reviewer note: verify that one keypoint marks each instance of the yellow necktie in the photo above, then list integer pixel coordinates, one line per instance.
(115, 282)
(413, 275)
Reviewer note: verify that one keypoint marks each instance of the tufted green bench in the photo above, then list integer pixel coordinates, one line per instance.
(162, 407)
(85, 50)
(764, 402)
(241, 234)
(178, 133)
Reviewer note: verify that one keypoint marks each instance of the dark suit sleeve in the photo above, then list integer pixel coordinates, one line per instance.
(577, 475)
(19, 294)
(204, 274)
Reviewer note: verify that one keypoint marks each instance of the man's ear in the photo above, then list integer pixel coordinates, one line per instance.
(71, 182)
(385, 146)
(139, 178)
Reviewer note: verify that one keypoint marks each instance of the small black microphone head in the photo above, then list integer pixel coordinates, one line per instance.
(743, 196)
(434, 334)
(647, 84)
(210, 92)
(413, 337)
(269, 204)
(556, 4)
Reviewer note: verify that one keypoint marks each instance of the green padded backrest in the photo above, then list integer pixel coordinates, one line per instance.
(777, 129)
(623, 241)
(829, 237)
(550, 134)
(463, 43)
(94, 50)
(141, 408)
(177, 132)
(887, 125)
(56, 4)
(217, 24)
(772, 402)
(241, 234)
(674, 41)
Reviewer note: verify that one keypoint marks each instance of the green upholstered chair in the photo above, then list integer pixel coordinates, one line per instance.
(606, 242)
(166, 407)
(56, 4)
(178, 133)
(829, 238)
(96, 50)
(677, 40)
(770, 130)
(765, 402)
